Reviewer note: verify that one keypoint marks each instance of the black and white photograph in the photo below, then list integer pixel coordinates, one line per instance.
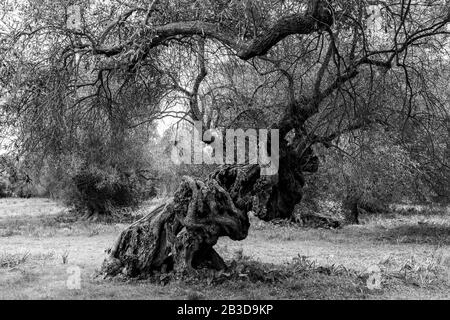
(197, 151)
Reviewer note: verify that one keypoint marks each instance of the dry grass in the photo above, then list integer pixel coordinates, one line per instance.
(39, 240)
(8, 260)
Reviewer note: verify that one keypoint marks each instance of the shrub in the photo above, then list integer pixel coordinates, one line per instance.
(101, 191)
(371, 174)
(24, 190)
(5, 188)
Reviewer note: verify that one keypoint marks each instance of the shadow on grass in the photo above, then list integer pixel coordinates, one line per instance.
(248, 279)
(425, 233)
(67, 223)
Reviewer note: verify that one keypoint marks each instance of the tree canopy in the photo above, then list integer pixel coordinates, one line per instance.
(317, 70)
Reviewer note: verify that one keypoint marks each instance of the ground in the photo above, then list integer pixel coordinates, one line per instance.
(40, 241)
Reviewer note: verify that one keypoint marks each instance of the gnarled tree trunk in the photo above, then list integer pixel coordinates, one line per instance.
(180, 235)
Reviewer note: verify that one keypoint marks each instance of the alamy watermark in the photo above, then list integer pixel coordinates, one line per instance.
(375, 278)
(74, 280)
(229, 149)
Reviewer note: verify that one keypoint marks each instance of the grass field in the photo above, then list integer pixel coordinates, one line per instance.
(39, 241)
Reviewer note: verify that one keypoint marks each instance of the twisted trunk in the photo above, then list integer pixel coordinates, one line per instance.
(180, 235)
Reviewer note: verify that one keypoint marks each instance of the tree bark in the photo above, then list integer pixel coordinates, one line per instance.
(180, 235)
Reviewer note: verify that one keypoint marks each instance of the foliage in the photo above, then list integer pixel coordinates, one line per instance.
(104, 175)
(83, 90)
(5, 188)
(102, 191)
(369, 168)
(15, 181)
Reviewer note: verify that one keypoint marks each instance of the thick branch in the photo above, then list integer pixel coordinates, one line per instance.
(292, 24)
(193, 97)
(298, 23)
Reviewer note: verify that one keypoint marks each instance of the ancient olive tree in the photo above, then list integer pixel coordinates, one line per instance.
(319, 68)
